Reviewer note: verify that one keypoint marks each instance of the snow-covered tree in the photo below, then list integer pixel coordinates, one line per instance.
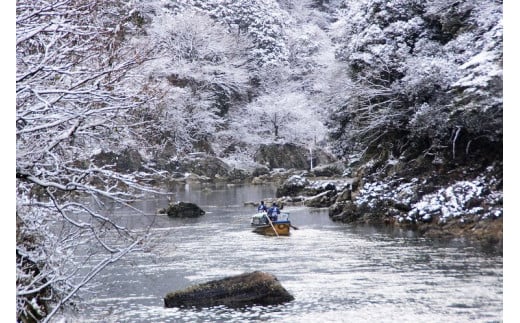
(422, 77)
(260, 22)
(198, 71)
(284, 116)
(72, 98)
(477, 105)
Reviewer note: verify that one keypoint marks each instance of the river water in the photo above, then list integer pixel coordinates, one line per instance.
(336, 272)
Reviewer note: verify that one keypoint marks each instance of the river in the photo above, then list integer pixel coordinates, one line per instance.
(336, 272)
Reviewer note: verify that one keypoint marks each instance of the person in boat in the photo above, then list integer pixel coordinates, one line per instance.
(262, 207)
(273, 212)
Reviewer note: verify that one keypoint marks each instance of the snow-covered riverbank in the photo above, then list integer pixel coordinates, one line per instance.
(460, 204)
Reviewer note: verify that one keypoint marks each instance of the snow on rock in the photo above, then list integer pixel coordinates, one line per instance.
(296, 180)
(403, 200)
(457, 200)
(323, 185)
(395, 192)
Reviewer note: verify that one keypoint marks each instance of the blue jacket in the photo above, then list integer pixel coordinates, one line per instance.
(273, 209)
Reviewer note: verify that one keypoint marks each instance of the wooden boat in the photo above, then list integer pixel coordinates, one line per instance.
(262, 225)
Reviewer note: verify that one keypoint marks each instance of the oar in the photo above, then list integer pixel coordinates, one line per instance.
(295, 228)
(271, 223)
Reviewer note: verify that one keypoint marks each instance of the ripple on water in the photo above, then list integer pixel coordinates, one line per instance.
(337, 273)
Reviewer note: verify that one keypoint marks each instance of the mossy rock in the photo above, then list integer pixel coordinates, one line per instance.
(183, 210)
(255, 288)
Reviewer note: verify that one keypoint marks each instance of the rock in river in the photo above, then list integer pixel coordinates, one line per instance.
(255, 288)
(183, 210)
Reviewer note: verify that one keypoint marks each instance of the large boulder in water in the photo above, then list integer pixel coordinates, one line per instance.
(183, 210)
(256, 288)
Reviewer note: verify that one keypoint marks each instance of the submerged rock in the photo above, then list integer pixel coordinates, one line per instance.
(255, 288)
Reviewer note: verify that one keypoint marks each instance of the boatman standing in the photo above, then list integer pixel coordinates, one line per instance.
(273, 212)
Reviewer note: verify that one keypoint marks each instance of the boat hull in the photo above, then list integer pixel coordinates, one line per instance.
(282, 228)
